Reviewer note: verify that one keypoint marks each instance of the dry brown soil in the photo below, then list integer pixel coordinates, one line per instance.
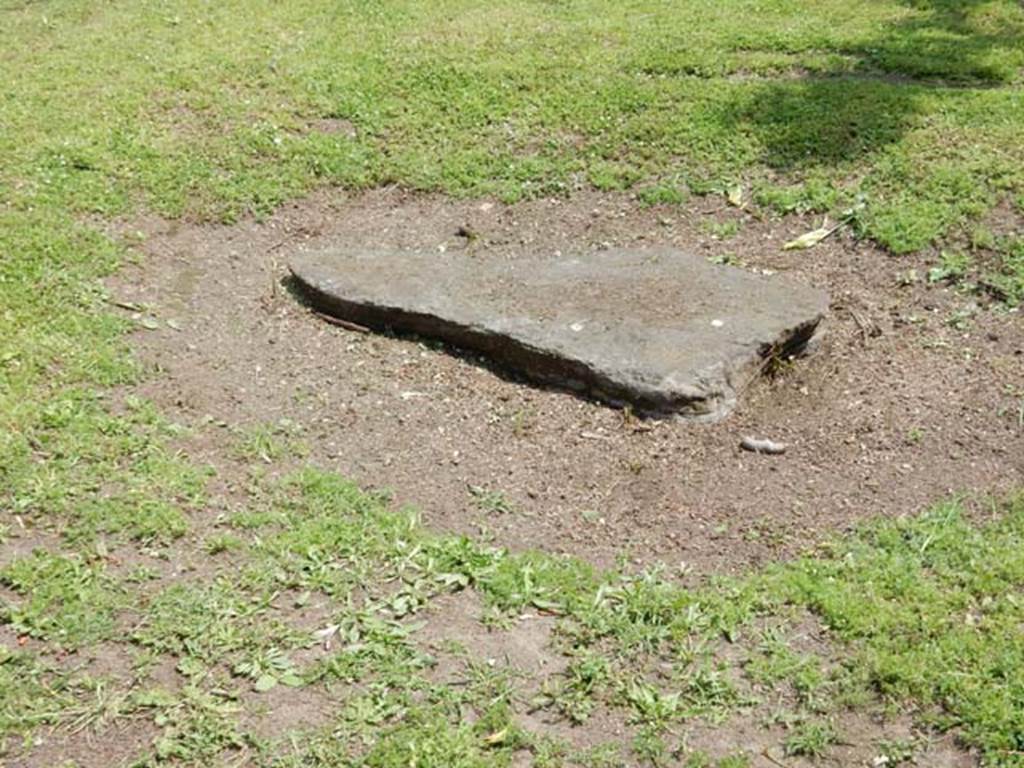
(897, 409)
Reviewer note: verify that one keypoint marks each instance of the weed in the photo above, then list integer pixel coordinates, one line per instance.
(196, 724)
(269, 442)
(722, 230)
(738, 760)
(708, 692)
(902, 590)
(583, 682)
(220, 543)
(523, 421)
(33, 693)
(490, 501)
(267, 669)
(811, 738)
(651, 706)
(662, 194)
(815, 194)
(1008, 279)
(1004, 279)
(650, 746)
(698, 759)
(204, 624)
(952, 266)
(897, 752)
(64, 600)
(725, 258)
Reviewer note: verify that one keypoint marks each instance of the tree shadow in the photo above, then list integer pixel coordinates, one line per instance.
(815, 121)
(948, 45)
(876, 95)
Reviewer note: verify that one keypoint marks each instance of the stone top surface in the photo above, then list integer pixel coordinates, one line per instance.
(659, 329)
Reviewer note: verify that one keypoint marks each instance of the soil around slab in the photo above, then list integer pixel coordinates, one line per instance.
(660, 330)
(898, 410)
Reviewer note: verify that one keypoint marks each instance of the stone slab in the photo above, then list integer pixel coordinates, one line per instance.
(664, 331)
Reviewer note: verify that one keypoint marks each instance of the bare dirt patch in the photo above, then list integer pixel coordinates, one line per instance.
(862, 741)
(902, 405)
(115, 745)
(287, 710)
(524, 647)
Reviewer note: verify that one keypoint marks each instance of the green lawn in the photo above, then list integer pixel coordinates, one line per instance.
(207, 108)
(211, 110)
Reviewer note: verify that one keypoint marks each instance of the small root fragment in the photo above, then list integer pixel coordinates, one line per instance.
(346, 324)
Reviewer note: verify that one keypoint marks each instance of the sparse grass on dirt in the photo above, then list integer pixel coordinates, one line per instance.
(137, 595)
(920, 616)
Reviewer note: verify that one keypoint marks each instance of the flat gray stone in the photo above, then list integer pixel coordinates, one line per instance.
(661, 330)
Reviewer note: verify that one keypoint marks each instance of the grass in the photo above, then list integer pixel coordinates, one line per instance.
(812, 738)
(191, 108)
(211, 111)
(33, 694)
(490, 501)
(63, 600)
(923, 614)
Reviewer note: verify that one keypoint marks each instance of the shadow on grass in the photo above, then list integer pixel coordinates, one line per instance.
(952, 43)
(875, 96)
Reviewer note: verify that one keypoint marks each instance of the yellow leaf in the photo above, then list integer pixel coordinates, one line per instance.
(496, 738)
(812, 238)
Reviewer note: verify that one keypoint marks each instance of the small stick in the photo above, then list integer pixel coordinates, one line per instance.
(767, 755)
(131, 306)
(348, 326)
(769, 447)
(271, 270)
